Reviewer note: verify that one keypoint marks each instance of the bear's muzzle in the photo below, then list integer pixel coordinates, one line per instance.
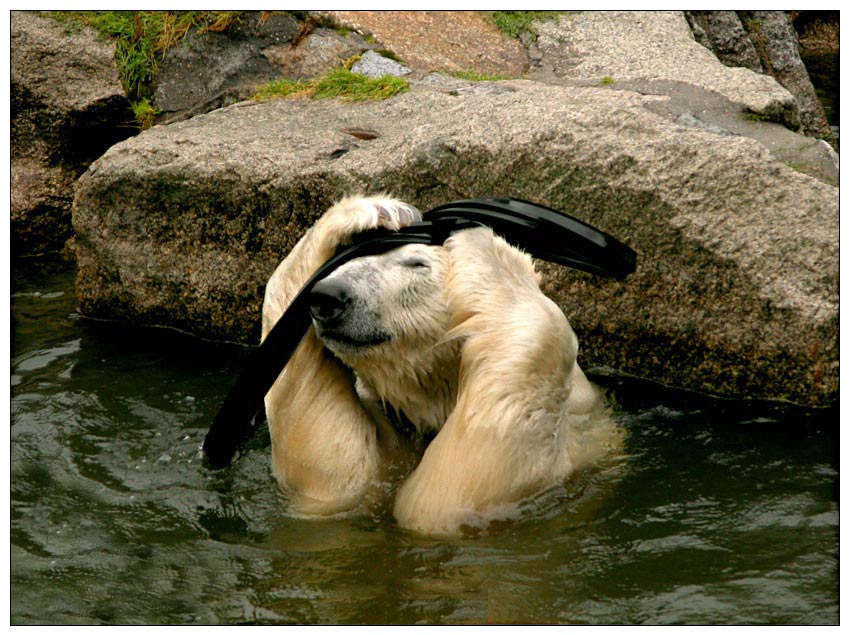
(329, 300)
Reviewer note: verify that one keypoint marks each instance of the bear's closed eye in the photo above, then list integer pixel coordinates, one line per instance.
(416, 262)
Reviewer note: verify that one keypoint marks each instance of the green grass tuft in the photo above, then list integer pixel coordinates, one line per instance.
(282, 88)
(141, 41)
(339, 83)
(343, 84)
(145, 113)
(475, 76)
(606, 81)
(518, 24)
(749, 115)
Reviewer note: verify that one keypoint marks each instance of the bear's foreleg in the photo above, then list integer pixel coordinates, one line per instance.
(506, 437)
(325, 450)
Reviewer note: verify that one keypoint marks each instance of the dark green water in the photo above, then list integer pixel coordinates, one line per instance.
(720, 514)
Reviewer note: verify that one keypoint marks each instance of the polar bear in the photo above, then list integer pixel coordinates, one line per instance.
(452, 344)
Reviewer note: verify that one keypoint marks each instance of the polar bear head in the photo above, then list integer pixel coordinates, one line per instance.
(386, 318)
(395, 299)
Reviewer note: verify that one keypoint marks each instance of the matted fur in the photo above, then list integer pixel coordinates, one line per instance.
(477, 355)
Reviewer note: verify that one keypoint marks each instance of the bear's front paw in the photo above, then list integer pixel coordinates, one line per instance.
(395, 214)
(357, 214)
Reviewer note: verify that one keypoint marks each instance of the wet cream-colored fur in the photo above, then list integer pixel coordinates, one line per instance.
(461, 343)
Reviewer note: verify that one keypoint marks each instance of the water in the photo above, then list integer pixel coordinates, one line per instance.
(720, 514)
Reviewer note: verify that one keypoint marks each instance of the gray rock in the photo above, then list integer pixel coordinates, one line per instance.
(722, 33)
(776, 41)
(652, 45)
(653, 53)
(208, 70)
(67, 108)
(457, 86)
(766, 42)
(41, 196)
(689, 105)
(373, 64)
(736, 291)
(440, 81)
(319, 52)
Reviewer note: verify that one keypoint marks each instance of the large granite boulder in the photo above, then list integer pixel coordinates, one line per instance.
(67, 108)
(736, 291)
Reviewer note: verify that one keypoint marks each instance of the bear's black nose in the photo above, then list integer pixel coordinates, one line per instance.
(328, 300)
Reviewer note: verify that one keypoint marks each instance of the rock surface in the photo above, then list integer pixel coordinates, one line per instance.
(318, 52)
(372, 64)
(776, 42)
(209, 70)
(445, 41)
(766, 42)
(736, 292)
(690, 105)
(652, 45)
(722, 33)
(67, 108)
(655, 53)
